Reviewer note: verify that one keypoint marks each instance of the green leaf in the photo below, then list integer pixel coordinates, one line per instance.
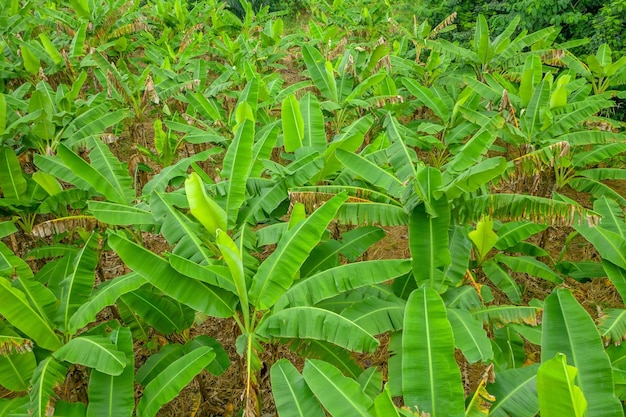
(94, 352)
(316, 64)
(47, 376)
(115, 173)
(313, 120)
(484, 238)
(158, 272)
(113, 396)
(376, 315)
(516, 393)
(427, 97)
(617, 276)
(31, 62)
(158, 311)
(320, 324)
(276, 273)
(17, 361)
(236, 167)
(340, 395)
(568, 329)
(233, 258)
(501, 278)
(119, 214)
(370, 172)
(202, 207)
(469, 336)
(558, 395)
(529, 265)
(292, 395)
(612, 325)
(428, 241)
(12, 182)
(105, 294)
(293, 124)
(17, 310)
(431, 379)
(384, 406)
(77, 286)
(168, 384)
(330, 282)
(512, 233)
(610, 245)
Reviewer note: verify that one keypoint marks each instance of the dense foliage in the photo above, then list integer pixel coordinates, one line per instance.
(241, 170)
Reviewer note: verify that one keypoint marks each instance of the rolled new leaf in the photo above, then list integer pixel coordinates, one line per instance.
(203, 208)
(558, 395)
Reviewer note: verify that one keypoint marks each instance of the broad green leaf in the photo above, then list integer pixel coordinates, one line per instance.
(49, 374)
(428, 240)
(371, 381)
(612, 325)
(516, 392)
(293, 124)
(568, 329)
(158, 311)
(113, 396)
(501, 278)
(202, 207)
(469, 336)
(17, 361)
(160, 181)
(236, 167)
(77, 286)
(484, 238)
(292, 395)
(276, 273)
(119, 214)
(512, 233)
(157, 362)
(328, 352)
(431, 379)
(617, 276)
(316, 64)
(116, 173)
(610, 245)
(233, 258)
(313, 119)
(31, 62)
(340, 395)
(475, 177)
(370, 171)
(376, 315)
(17, 310)
(12, 182)
(221, 363)
(427, 97)
(158, 272)
(504, 314)
(86, 174)
(558, 394)
(320, 324)
(95, 352)
(529, 265)
(330, 282)
(384, 406)
(105, 294)
(168, 384)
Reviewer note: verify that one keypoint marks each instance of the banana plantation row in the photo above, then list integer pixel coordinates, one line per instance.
(239, 145)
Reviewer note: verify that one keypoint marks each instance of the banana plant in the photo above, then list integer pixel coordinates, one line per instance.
(347, 92)
(487, 55)
(604, 74)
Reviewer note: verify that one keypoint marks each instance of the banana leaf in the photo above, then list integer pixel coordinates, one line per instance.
(94, 352)
(558, 394)
(340, 395)
(568, 329)
(515, 391)
(431, 379)
(469, 336)
(113, 396)
(320, 324)
(276, 273)
(292, 395)
(168, 384)
(49, 373)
